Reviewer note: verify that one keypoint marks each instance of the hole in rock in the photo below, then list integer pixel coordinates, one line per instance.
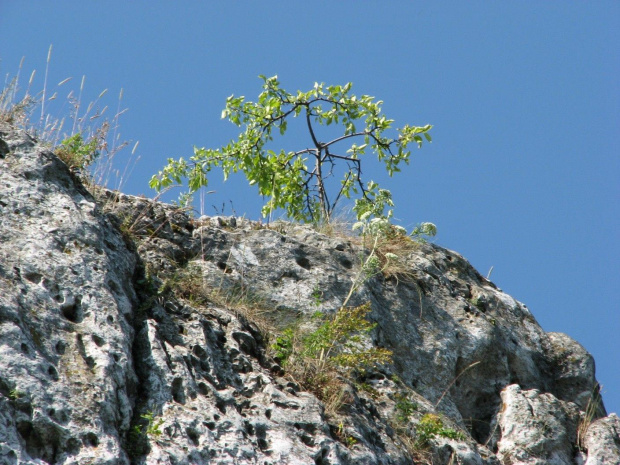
(60, 347)
(109, 245)
(249, 428)
(224, 267)
(72, 310)
(193, 435)
(203, 389)
(90, 439)
(221, 406)
(303, 262)
(262, 444)
(113, 286)
(33, 277)
(178, 393)
(199, 351)
(53, 373)
(73, 446)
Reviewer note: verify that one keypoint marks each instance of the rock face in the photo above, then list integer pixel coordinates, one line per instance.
(133, 333)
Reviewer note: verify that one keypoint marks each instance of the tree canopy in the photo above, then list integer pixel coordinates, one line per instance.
(298, 181)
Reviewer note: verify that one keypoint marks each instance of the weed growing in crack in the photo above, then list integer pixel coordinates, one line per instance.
(153, 425)
(323, 360)
(317, 295)
(431, 426)
(15, 394)
(591, 413)
(404, 409)
(340, 432)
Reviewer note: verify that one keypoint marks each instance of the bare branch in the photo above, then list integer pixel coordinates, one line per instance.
(357, 134)
(317, 144)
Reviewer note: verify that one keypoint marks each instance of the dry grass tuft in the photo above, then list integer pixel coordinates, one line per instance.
(85, 139)
(188, 283)
(393, 253)
(593, 411)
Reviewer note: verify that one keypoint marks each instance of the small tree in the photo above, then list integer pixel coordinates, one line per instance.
(297, 180)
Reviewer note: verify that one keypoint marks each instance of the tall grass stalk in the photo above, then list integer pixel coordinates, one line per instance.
(17, 107)
(47, 67)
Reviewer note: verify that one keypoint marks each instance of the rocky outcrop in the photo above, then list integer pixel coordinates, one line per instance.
(131, 332)
(66, 301)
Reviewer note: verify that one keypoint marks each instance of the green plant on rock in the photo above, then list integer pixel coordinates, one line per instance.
(300, 181)
(592, 412)
(431, 426)
(404, 408)
(77, 153)
(317, 295)
(15, 394)
(341, 434)
(388, 243)
(325, 359)
(153, 426)
(79, 138)
(337, 343)
(283, 347)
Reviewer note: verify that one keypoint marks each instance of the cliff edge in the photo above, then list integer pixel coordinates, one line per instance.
(131, 332)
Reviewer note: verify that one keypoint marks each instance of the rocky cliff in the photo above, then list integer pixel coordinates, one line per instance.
(131, 332)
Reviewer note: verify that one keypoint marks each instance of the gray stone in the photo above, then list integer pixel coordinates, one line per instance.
(602, 441)
(536, 428)
(66, 300)
(133, 333)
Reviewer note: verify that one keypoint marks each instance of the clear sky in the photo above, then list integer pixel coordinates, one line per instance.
(523, 174)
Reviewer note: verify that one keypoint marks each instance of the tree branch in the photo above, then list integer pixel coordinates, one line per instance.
(357, 134)
(317, 144)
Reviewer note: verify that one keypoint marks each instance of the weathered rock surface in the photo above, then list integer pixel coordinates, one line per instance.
(104, 361)
(66, 304)
(602, 441)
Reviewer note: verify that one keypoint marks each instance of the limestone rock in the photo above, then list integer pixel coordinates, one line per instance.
(133, 333)
(536, 428)
(602, 441)
(67, 382)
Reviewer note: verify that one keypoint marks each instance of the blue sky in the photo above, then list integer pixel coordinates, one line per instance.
(523, 172)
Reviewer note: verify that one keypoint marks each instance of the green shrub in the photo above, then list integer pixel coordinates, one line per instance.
(284, 346)
(431, 426)
(404, 408)
(153, 425)
(325, 360)
(337, 342)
